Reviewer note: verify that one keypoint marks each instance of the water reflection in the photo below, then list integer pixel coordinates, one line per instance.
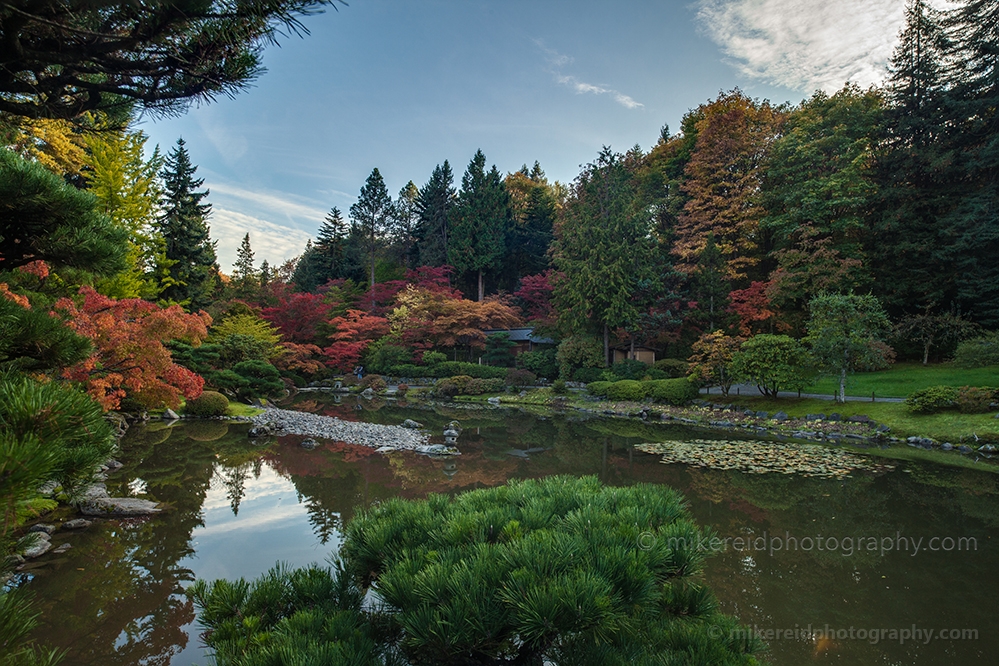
(236, 507)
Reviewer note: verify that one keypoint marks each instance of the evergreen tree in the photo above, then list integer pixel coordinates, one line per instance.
(405, 217)
(244, 276)
(183, 225)
(710, 288)
(480, 222)
(371, 216)
(603, 249)
(534, 212)
(331, 247)
(433, 206)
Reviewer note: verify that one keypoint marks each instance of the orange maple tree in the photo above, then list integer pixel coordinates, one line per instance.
(428, 319)
(353, 333)
(129, 357)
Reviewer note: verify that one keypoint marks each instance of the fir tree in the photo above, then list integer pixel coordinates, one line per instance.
(331, 246)
(244, 276)
(184, 227)
(371, 215)
(433, 206)
(480, 222)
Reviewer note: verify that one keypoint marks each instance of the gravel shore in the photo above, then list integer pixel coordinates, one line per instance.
(382, 437)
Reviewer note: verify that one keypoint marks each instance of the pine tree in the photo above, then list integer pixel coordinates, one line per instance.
(183, 225)
(480, 221)
(331, 247)
(244, 276)
(534, 212)
(405, 217)
(433, 205)
(371, 215)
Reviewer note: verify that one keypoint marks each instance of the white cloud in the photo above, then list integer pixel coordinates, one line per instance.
(806, 44)
(269, 240)
(275, 203)
(558, 60)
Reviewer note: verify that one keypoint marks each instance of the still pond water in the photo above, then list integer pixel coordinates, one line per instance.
(235, 509)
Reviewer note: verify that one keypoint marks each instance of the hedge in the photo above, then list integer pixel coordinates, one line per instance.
(448, 369)
(669, 391)
(209, 403)
(627, 389)
(465, 385)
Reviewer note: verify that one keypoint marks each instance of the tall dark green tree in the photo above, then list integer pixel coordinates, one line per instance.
(184, 226)
(331, 247)
(910, 274)
(245, 279)
(710, 289)
(603, 249)
(405, 218)
(480, 222)
(371, 214)
(433, 206)
(534, 210)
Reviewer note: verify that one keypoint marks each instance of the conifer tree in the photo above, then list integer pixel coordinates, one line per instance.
(184, 227)
(371, 216)
(331, 247)
(244, 276)
(480, 221)
(433, 206)
(405, 217)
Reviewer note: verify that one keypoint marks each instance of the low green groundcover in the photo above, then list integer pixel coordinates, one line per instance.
(558, 571)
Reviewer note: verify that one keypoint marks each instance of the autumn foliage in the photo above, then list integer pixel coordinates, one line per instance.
(129, 357)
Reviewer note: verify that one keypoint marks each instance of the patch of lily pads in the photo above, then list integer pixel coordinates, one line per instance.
(755, 457)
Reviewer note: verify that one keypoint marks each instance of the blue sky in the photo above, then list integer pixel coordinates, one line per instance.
(402, 86)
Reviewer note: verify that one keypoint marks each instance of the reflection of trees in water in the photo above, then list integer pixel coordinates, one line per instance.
(234, 481)
(126, 605)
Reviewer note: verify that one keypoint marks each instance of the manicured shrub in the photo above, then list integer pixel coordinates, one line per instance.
(465, 385)
(209, 403)
(373, 382)
(598, 388)
(401, 390)
(454, 368)
(559, 387)
(630, 369)
(978, 353)
(673, 367)
(388, 356)
(672, 391)
(932, 399)
(432, 358)
(542, 363)
(263, 379)
(588, 375)
(518, 378)
(975, 399)
(626, 389)
(409, 370)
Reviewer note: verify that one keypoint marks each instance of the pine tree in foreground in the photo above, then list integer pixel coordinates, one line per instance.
(559, 571)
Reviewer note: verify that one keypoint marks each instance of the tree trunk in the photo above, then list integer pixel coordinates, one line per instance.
(926, 351)
(606, 345)
(482, 289)
(372, 281)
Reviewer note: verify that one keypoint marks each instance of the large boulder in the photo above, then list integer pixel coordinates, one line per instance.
(119, 507)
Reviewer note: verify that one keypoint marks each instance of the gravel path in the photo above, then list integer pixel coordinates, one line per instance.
(372, 435)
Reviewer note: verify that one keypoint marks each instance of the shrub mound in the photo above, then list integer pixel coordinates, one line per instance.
(465, 385)
(668, 391)
(978, 353)
(373, 382)
(209, 403)
(519, 378)
(447, 369)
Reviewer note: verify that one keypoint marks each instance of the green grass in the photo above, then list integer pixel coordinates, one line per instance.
(903, 378)
(944, 426)
(239, 409)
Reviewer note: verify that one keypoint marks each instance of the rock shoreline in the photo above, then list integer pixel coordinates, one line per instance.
(372, 435)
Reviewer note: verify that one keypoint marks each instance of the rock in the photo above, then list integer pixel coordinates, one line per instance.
(781, 416)
(964, 448)
(76, 524)
(722, 424)
(259, 431)
(42, 527)
(118, 507)
(385, 449)
(996, 416)
(749, 412)
(815, 417)
(763, 415)
(451, 432)
(62, 548)
(48, 488)
(169, 415)
(522, 394)
(987, 448)
(114, 465)
(859, 418)
(411, 424)
(883, 428)
(517, 453)
(39, 548)
(93, 492)
(946, 446)
(309, 444)
(493, 401)
(368, 393)
(834, 417)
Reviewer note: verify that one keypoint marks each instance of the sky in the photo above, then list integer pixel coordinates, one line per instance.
(403, 86)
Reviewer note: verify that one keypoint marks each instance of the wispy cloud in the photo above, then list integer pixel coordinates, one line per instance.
(280, 204)
(269, 240)
(806, 44)
(557, 61)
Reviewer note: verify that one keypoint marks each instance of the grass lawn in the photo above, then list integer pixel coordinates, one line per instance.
(239, 409)
(944, 426)
(903, 378)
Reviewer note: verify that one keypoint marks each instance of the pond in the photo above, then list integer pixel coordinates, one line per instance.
(796, 555)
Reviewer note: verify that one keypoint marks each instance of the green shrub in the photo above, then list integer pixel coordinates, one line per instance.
(598, 388)
(499, 350)
(388, 356)
(774, 363)
(209, 403)
(559, 387)
(626, 389)
(672, 391)
(432, 358)
(263, 379)
(932, 399)
(465, 385)
(630, 369)
(978, 353)
(542, 363)
(454, 368)
(409, 370)
(588, 375)
(975, 399)
(673, 367)
(373, 382)
(518, 378)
